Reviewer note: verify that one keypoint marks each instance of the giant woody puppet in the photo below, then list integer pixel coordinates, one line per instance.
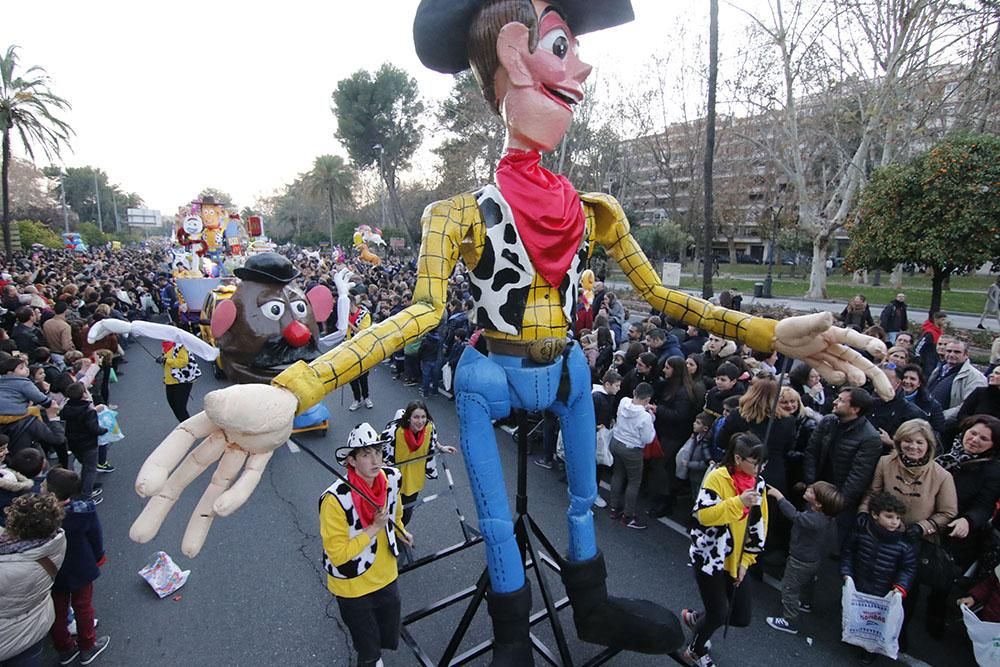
(526, 239)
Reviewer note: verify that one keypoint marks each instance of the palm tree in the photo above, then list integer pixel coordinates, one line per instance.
(27, 106)
(331, 176)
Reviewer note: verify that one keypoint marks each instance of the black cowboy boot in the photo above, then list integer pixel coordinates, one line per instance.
(509, 613)
(630, 625)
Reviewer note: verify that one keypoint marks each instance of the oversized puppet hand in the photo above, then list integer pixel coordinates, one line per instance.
(242, 423)
(814, 340)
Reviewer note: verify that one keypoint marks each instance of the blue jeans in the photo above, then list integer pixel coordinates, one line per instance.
(428, 369)
(487, 389)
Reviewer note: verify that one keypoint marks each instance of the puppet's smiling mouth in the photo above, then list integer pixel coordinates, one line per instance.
(566, 97)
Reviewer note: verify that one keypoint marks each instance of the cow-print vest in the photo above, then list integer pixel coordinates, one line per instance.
(503, 275)
(364, 560)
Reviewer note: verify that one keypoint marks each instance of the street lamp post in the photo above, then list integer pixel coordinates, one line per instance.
(62, 196)
(97, 195)
(381, 170)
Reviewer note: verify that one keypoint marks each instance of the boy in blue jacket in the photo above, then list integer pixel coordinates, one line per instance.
(74, 584)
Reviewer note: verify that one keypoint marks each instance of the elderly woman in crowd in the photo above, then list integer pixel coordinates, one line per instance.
(32, 548)
(927, 490)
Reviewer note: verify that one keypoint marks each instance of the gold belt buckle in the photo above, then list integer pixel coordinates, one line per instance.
(546, 350)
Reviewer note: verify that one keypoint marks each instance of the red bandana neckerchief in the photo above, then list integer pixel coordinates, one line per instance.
(547, 212)
(414, 441)
(377, 492)
(742, 482)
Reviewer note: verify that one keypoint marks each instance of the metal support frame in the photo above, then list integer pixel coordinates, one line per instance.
(524, 527)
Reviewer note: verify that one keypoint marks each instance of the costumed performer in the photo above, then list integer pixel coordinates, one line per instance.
(359, 544)
(525, 240)
(412, 436)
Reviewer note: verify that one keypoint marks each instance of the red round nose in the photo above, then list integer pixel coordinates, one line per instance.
(297, 334)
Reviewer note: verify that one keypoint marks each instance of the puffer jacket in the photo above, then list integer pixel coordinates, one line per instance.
(27, 612)
(878, 560)
(853, 449)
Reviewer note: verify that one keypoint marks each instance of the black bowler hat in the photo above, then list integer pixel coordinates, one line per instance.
(268, 267)
(441, 27)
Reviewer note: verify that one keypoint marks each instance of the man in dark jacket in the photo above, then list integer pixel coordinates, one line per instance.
(893, 318)
(887, 416)
(27, 336)
(844, 450)
(74, 584)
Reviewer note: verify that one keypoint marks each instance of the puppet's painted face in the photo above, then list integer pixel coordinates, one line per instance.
(211, 215)
(265, 328)
(538, 90)
(192, 225)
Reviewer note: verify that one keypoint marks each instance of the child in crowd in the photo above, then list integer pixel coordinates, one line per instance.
(877, 553)
(700, 452)
(726, 385)
(604, 416)
(812, 532)
(718, 448)
(74, 585)
(987, 594)
(12, 483)
(17, 392)
(82, 431)
(633, 430)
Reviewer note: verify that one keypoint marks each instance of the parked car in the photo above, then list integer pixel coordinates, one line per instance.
(743, 258)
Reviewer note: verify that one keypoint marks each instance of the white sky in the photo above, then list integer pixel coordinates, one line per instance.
(169, 98)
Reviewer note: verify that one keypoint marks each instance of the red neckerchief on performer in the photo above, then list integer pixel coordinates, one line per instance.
(377, 493)
(547, 212)
(742, 482)
(414, 441)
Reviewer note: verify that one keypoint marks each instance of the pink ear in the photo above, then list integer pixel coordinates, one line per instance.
(223, 317)
(321, 301)
(512, 47)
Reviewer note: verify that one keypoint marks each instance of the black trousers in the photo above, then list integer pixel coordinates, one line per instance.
(374, 622)
(359, 387)
(408, 511)
(177, 399)
(716, 590)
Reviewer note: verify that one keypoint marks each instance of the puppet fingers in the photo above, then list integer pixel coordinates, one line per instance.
(828, 372)
(154, 471)
(233, 499)
(148, 523)
(844, 363)
(857, 340)
(201, 519)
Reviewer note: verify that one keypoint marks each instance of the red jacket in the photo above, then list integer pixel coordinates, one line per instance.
(987, 593)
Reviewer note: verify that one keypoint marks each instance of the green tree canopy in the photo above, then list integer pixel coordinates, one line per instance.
(81, 195)
(475, 136)
(940, 211)
(664, 240)
(378, 121)
(28, 108)
(33, 231)
(332, 179)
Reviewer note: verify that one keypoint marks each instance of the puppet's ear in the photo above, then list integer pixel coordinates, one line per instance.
(512, 50)
(223, 317)
(321, 301)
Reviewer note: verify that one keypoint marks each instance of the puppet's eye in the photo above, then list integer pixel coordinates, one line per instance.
(555, 41)
(299, 309)
(273, 310)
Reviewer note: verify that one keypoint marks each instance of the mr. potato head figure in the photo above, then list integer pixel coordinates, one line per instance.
(526, 239)
(269, 323)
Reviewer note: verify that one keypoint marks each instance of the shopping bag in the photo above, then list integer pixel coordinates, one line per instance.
(604, 455)
(682, 458)
(871, 622)
(108, 418)
(163, 574)
(652, 450)
(985, 638)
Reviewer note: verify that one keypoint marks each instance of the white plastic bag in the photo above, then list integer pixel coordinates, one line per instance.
(985, 638)
(108, 418)
(682, 458)
(871, 622)
(163, 574)
(604, 455)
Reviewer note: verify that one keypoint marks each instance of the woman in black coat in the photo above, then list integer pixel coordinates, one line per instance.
(915, 391)
(605, 354)
(815, 393)
(676, 407)
(790, 404)
(983, 400)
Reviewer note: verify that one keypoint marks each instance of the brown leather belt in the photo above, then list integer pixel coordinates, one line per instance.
(542, 351)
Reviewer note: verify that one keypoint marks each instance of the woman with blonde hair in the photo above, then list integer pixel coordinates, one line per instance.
(911, 474)
(790, 405)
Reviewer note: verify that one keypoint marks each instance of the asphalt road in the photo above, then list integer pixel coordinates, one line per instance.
(256, 594)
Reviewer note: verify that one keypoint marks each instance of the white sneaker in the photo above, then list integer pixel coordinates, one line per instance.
(354, 406)
(600, 503)
(369, 404)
